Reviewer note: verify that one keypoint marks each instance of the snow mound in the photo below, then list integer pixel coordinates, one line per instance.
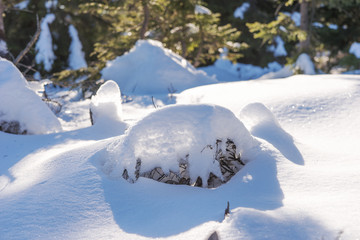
(149, 68)
(106, 104)
(21, 105)
(176, 133)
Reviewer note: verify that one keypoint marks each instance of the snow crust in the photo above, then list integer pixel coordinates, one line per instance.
(20, 103)
(106, 104)
(240, 11)
(355, 49)
(44, 46)
(77, 56)
(149, 68)
(168, 135)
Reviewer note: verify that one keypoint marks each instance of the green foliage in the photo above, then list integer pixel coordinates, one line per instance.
(283, 26)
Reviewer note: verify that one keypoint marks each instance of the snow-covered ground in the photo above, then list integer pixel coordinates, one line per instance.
(301, 180)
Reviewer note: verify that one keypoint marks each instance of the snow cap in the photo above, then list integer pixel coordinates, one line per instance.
(106, 104)
(19, 103)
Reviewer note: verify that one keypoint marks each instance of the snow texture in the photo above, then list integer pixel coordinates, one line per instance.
(168, 135)
(240, 11)
(149, 68)
(355, 49)
(202, 10)
(77, 56)
(106, 104)
(44, 46)
(19, 103)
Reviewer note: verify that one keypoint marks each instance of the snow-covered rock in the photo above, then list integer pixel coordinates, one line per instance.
(149, 68)
(21, 106)
(106, 104)
(177, 134)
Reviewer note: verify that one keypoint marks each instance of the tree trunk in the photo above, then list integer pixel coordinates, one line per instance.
(145, 23)
(304, 24)
(3, 47)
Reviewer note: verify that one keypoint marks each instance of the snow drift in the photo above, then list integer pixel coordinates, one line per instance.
(149, 68)
(20, 106)
(178, 133)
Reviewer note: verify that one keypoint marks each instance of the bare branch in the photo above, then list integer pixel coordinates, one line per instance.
(30, 44)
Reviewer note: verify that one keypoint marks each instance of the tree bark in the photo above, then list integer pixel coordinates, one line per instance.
(145, 23)
(304, 24)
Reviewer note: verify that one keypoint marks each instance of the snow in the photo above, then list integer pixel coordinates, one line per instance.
(301, 180)
(22, 5)
(178, 131)
(3, 47)
(305, 64)
(106, 104)
(44, 47)
(279, 50)
(355, 49)
(49, 4)
(77, 56)
(226, 71)
(240, 11)
(20, 103)
(202, 10)
(333, 26)
(149, 68)
(295, 16)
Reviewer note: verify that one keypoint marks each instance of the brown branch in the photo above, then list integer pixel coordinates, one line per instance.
(30, 44)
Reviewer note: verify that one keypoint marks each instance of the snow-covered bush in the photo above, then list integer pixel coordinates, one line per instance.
(149, 68)
(21, 109)
(186, 144)
(106, 104)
